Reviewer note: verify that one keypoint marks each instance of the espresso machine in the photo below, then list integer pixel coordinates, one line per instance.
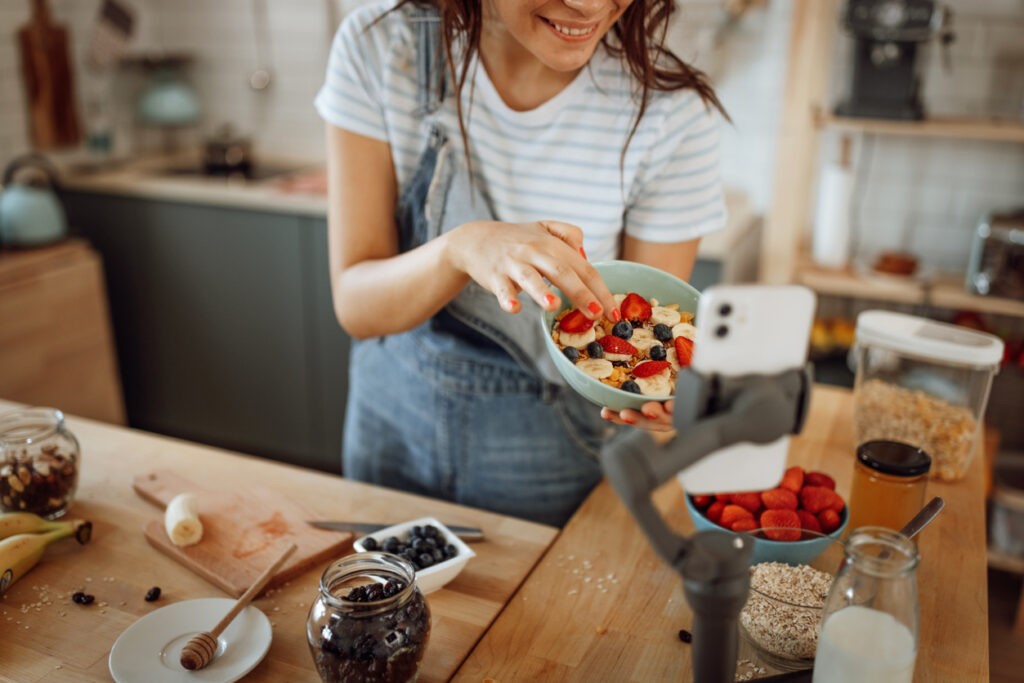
(890, 37)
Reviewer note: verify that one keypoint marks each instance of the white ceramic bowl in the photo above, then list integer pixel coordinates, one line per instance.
(433, 577)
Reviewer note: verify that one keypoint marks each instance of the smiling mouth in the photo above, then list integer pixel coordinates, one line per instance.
(571, 31)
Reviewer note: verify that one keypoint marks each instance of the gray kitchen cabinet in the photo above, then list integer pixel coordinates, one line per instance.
(223, 321)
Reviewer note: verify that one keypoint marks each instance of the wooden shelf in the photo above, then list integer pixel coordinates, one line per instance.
(1006, 130)
(943, 290)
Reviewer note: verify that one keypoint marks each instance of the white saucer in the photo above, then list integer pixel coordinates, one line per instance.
(148, 650)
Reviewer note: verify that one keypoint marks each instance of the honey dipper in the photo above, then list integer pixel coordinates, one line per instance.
(198, 652)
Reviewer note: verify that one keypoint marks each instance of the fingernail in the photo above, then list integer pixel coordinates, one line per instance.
(629, 422)
(616, 316)
(594, 307)
(649, 416)
(605, 417)
(583, 253)
(550, 299)
(511, 304)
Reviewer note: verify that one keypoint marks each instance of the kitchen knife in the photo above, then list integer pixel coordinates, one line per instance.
(466, 533)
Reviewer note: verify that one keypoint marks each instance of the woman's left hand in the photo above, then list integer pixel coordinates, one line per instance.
(652, 416)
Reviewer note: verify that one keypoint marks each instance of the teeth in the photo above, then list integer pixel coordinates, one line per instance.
(572, 31)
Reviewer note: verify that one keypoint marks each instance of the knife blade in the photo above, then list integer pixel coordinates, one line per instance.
(466, 533)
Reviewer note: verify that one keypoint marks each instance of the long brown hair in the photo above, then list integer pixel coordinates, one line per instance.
(639, 40)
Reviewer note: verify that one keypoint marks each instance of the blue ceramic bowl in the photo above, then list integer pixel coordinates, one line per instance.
(767, 550)
(621, 277)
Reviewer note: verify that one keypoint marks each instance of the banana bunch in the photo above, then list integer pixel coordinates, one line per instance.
(24, 537)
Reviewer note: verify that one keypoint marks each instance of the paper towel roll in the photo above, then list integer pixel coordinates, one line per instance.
(831, 243)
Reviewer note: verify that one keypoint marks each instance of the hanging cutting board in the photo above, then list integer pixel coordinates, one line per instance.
(243, 532)
(48, 82)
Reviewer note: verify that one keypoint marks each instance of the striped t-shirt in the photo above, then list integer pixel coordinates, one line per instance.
(559, 161)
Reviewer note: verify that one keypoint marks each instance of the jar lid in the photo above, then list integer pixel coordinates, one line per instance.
(894, 457)
(929, 340)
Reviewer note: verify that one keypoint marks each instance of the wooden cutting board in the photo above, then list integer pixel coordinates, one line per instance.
(48, 80)
(243, 532)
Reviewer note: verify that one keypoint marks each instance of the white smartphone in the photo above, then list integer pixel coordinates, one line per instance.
(744, 330)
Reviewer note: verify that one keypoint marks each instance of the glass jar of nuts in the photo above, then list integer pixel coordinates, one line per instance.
(39, 461)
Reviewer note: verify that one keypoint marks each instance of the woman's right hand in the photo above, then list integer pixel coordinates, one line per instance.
(507, 258)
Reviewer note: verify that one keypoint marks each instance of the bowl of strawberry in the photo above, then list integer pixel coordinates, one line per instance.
(792, 523)
(631, 355)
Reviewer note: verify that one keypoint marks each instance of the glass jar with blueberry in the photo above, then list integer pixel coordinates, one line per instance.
(370, 621)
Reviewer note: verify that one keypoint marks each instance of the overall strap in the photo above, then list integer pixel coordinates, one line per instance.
(430, 77)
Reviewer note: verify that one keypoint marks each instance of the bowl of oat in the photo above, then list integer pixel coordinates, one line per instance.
(780, 620)
(626, 363)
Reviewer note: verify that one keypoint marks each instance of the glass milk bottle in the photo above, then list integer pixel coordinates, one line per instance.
(869, 624)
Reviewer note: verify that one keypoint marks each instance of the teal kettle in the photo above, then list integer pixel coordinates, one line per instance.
(31, 214)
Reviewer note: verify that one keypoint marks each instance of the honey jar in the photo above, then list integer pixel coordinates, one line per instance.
(889, 479)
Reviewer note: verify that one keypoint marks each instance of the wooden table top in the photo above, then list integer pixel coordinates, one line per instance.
(601, 606)
(51, 639)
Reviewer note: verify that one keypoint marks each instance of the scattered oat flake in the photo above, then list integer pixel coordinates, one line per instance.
(88, 579)
(601, 630)
(572, 592)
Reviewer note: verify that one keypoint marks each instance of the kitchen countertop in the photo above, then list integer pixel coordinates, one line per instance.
(54, 640)
(301, 192)
(148, 178)
(602, 574)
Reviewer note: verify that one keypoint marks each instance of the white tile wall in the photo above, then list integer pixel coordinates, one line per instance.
(920, 193)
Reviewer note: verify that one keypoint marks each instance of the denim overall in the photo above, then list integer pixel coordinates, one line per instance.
(466, 407)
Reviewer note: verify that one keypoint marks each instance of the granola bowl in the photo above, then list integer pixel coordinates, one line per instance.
(779, 623)
(618, 276)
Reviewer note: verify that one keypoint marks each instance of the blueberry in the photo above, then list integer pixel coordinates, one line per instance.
(623, 330)
(437, 554)
(658, 352)
(571, 353)
(685, 635)
(450, 551)
(411, 555)
(595, 349)
(426, 560)
(153, 594)
(430, 531)
(631, 386)
(416, 531)
(370, 543)
(420, 544)
(391, 545)
(662, 332)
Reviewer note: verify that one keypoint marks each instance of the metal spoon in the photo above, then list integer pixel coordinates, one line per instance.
(921, 519)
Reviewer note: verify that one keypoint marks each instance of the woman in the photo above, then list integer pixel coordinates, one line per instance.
(477, 149)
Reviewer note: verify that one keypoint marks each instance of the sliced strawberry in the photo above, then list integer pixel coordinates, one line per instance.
(684, 351)
(651, 367)
(575, 322)
(612, 344)
(635, 307)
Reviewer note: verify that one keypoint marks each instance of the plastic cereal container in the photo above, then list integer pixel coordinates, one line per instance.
(923, 383)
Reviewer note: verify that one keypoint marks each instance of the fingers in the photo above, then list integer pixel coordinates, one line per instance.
(530, 281)
(507, 293)
(568, 233)
(653, 417)
(579, 280)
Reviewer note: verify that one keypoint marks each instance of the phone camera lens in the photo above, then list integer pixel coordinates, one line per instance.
(721, 331)
(725, 309)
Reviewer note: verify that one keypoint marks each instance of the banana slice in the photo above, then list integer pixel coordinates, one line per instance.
(598, 368)
(685, 330)
(643, 339)
(656, 385)
(576, 339)
(617, 356)
(664, 316)
(671, 357)
(181, 520)
(618, 299)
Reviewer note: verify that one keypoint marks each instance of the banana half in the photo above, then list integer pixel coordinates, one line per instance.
(181, 520)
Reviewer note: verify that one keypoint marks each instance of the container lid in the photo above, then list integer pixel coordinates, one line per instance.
(929, 340)
(894, 457)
